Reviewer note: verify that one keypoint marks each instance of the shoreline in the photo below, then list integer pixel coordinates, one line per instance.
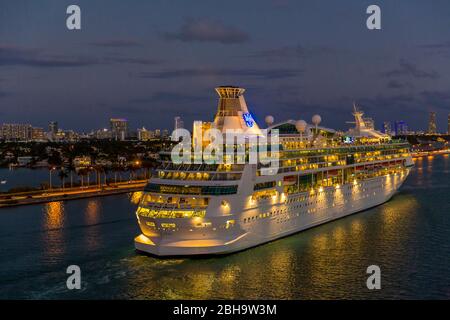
(44, 196)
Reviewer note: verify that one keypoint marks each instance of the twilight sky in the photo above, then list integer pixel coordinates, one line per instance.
(149, 61)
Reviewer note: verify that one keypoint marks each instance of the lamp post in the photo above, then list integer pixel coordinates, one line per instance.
(50, 176)
(138, 166)
(88, 176)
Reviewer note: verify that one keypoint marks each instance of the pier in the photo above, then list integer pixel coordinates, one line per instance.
(62, 194)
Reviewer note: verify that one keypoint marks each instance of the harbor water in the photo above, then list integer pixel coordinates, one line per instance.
(407, 237)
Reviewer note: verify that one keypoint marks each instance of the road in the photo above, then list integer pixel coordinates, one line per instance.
(41, 196)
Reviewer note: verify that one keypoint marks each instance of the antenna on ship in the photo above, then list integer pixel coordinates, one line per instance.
(355, 113)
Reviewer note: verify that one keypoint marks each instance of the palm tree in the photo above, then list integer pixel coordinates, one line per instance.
(71, 169)
(115, 169)
(62, 175)
(82, 173)
(55, 159)
(148, 165)
(105, 170)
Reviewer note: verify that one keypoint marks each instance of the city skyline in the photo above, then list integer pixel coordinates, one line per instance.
(129, 64)
(26, 131)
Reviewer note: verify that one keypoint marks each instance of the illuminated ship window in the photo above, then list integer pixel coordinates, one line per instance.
(264, 185)
(168, 225)
(229, 224)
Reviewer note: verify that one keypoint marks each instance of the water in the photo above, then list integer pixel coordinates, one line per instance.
(408, 237)
(25, 177)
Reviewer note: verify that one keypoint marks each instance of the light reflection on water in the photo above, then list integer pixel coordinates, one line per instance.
(407, 237)
(53, 237)
(93, 236)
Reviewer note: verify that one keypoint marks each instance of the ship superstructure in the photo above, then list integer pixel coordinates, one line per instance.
(323, 175)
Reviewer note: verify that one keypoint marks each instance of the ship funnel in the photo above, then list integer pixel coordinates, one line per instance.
(232, 112)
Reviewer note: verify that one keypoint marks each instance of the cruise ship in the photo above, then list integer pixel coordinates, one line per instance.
(220, 208)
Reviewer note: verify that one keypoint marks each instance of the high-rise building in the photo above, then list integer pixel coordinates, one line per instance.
(179, 124)
(432, 123)
(448, 124)
(37, 134)
(400, 127)
(16, 131)
(119, 128)
(144, 134)
(158, 133)
(387, 127)
(53, 127)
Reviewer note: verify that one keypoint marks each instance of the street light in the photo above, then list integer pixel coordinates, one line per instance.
(50, 175)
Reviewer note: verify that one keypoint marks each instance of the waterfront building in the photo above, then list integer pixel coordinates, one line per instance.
(193, 208)
(37, 134)
(432, 123)
(24, 161)
(158, 133)
(82, 162)
(119, 129)
(16, 132)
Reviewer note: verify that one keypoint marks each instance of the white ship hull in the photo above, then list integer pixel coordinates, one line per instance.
(280, 218)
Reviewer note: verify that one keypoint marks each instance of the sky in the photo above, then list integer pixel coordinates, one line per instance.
(149, 61)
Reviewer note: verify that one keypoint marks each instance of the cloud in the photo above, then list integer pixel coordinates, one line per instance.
(206, 30)
(141, 61)
(384, 101)
(436, 97)
(4, 94)
(128, 109)
(406, 104)
(438, 49)
(290, 52)
(166, 96)
(116, 43)
(280, 3)
(410, 70)
(11, 55)
(218, 72)
(442, 45)
(395, 84)
(180, 103)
